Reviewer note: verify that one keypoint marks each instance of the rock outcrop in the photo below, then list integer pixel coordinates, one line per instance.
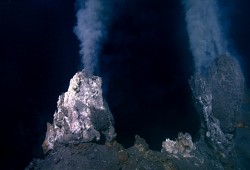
(113, 156)
(227, 83)
(82, 114)
(182, 146)
(83, 117)
(218, 96)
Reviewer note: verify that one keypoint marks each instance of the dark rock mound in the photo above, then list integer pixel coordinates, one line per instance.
(228, 91)
(218, 94)
(112, 156)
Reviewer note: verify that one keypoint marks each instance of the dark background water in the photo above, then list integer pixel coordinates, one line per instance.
(145, 66)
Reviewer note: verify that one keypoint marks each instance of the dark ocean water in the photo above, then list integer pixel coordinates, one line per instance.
(145, 66)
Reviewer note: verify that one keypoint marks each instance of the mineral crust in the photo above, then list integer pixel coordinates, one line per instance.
(82, 114)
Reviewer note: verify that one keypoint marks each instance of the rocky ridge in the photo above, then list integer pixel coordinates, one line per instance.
(83, 118)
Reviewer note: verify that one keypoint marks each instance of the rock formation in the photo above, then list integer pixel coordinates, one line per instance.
(82, 114)
(227, 90)
(218, 94)
(182, 146)
(83, 117)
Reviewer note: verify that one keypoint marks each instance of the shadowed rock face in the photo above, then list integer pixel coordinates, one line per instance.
(82, 114)
(218, 96)
(227, 90)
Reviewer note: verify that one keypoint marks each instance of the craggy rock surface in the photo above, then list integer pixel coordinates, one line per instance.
(227, 82)
(218, 96)
(183, 145)
(83, 118)
(112, 156)
(82, 115)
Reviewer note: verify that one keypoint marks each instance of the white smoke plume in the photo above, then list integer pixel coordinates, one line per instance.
(205, 35)
(93, 18)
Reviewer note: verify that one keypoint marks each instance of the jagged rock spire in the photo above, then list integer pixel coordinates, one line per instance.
(82, 114)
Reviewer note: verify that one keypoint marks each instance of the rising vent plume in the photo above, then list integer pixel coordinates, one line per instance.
(93, 17)
(205, 35)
